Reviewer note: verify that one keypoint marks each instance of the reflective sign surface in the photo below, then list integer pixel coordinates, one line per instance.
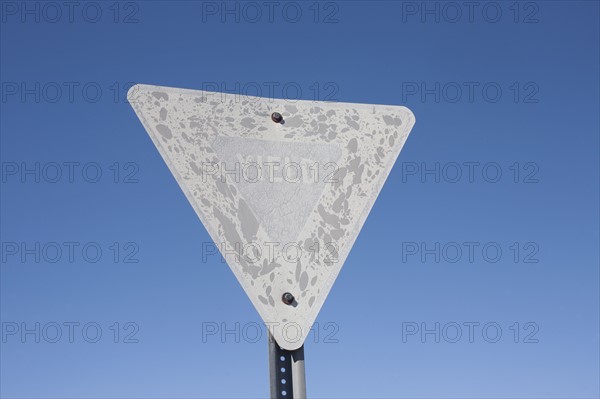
(283, 202)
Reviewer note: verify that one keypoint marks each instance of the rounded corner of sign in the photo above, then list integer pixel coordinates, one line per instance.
(293, 341)
(406, 115)
(412, 119)
(409, 119)
(134, 91)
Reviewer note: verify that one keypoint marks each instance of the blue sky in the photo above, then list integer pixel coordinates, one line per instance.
(503, 157)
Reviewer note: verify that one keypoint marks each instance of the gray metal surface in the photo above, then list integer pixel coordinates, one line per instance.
(287, 376)
(284, 202)
(298, 373)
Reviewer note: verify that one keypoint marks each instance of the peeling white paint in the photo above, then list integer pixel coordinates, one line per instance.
(289, 199)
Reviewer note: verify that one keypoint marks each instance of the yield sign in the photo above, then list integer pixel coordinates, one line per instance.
(283, 187)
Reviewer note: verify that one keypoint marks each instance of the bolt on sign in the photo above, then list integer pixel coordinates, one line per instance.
(283, 188)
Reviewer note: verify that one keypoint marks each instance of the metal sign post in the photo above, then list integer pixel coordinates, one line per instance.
(287, 372)
(283, 188)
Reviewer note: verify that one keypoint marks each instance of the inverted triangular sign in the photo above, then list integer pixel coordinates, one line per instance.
(283, 200)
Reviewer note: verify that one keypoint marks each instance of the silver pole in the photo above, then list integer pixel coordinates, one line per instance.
(288, 380)
(298, 376)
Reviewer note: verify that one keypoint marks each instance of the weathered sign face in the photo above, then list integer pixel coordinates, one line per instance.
(283, 200)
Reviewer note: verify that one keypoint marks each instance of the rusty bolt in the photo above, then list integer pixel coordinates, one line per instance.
(287, 298)
(276, 117)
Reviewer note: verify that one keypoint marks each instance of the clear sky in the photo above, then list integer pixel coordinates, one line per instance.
(484, 238)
